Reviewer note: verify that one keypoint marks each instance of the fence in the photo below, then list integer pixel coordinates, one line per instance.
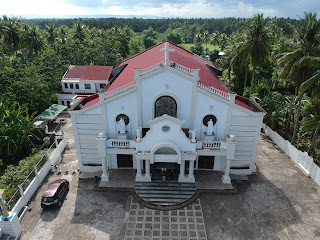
(31, 183)
(302, 159)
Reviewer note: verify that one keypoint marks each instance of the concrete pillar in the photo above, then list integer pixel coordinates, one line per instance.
(12, 227)
(181, 175)
(23, 198)
(139, 174)
(105, 176)
(148, 168)
(226, 176)
(36, 174)
(191, 167)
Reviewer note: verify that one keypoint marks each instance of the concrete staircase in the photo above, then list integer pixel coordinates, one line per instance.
(164, 193)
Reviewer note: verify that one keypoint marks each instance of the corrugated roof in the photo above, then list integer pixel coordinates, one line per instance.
(89, 72)
(52, 112)
(181, 56)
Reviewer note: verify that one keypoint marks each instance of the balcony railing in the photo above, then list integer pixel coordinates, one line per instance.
(120, 143)
(214, 91)
(211, 144)
(120, 89)
(166, 63)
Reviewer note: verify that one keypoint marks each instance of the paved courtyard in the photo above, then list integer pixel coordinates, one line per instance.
(278, 202)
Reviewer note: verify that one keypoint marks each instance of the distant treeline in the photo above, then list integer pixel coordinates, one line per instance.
(223, 25)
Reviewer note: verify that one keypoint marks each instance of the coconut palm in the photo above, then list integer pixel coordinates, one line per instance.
(33, 39)
(292, 65)
(51, 33)
(13, 33)
(312, 122)
(79, 31)
(257, 43)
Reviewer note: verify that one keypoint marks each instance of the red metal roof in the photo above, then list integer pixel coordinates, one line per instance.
(89, 72)
(153, 56)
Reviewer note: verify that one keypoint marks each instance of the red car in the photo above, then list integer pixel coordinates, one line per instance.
(53, 196)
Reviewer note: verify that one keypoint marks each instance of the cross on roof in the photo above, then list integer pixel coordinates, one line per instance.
(167, 50)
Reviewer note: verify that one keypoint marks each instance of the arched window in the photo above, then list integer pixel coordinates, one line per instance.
(165, 105)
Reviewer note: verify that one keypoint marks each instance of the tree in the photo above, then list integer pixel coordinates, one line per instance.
(292, 61)
(51, 33)
(79, 31)
(16, 130)
(149, 37)
(312, 122)
(257, 43)
(13, 33)
(33, 39)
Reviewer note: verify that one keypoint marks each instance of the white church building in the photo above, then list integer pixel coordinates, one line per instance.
(166, 107)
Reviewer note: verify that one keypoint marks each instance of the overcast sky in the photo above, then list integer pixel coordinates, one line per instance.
(159, 8)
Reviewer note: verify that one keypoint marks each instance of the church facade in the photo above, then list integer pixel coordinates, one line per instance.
(166, 107)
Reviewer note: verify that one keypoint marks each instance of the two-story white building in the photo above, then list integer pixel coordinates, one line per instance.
(82, 81)
(166, 107)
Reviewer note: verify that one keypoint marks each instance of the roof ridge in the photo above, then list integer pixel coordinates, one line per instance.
(154, 47)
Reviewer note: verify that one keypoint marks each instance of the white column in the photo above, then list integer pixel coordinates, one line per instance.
(105, 176)
(148, 168)
(181, 175)
(139, 175)
(191, 167)
(226, 177)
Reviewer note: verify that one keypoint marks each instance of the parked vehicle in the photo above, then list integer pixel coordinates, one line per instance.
(53, 196)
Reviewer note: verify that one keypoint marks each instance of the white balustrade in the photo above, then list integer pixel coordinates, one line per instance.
(211, 145)
(120, 89)
(118, 143)
(168, 63)
(214, 91)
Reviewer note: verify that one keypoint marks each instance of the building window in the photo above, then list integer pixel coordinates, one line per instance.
(62, 102)
(87, 86)
(65, 85)
(77, 86)
(71, 85)
(102, 85)
(125, 118)
(207, 118)
(68, 103)
(165, 105)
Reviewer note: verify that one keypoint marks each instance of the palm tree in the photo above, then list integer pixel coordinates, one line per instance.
(293, 66)
(312, 122)
(51, 33)
(257, 43)
(33, 39)
(79, 31)
(3, 29)
(13, 33)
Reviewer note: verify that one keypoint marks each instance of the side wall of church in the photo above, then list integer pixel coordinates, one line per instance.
(86, 128)
(166, 83)
(247, 129)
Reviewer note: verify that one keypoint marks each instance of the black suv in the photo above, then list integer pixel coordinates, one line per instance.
(54, 194)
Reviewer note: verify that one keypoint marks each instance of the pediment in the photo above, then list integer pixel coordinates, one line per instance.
(164, 118)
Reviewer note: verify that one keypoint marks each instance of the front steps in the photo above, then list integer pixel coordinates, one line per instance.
(165, 193)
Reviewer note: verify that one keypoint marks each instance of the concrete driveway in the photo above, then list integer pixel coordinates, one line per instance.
(278, 202)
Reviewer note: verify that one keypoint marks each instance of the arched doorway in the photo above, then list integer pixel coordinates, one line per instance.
(165, 105)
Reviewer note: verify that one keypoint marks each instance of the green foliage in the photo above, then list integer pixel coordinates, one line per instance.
(261, 90)
(17, 134)
(149, 37)
(174, 35)
(197, 49)
(15, 175)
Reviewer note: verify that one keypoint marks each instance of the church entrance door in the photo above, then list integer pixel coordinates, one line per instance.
(206, 162)
(124, 161)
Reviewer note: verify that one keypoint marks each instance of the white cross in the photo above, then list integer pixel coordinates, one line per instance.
(167, 50)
